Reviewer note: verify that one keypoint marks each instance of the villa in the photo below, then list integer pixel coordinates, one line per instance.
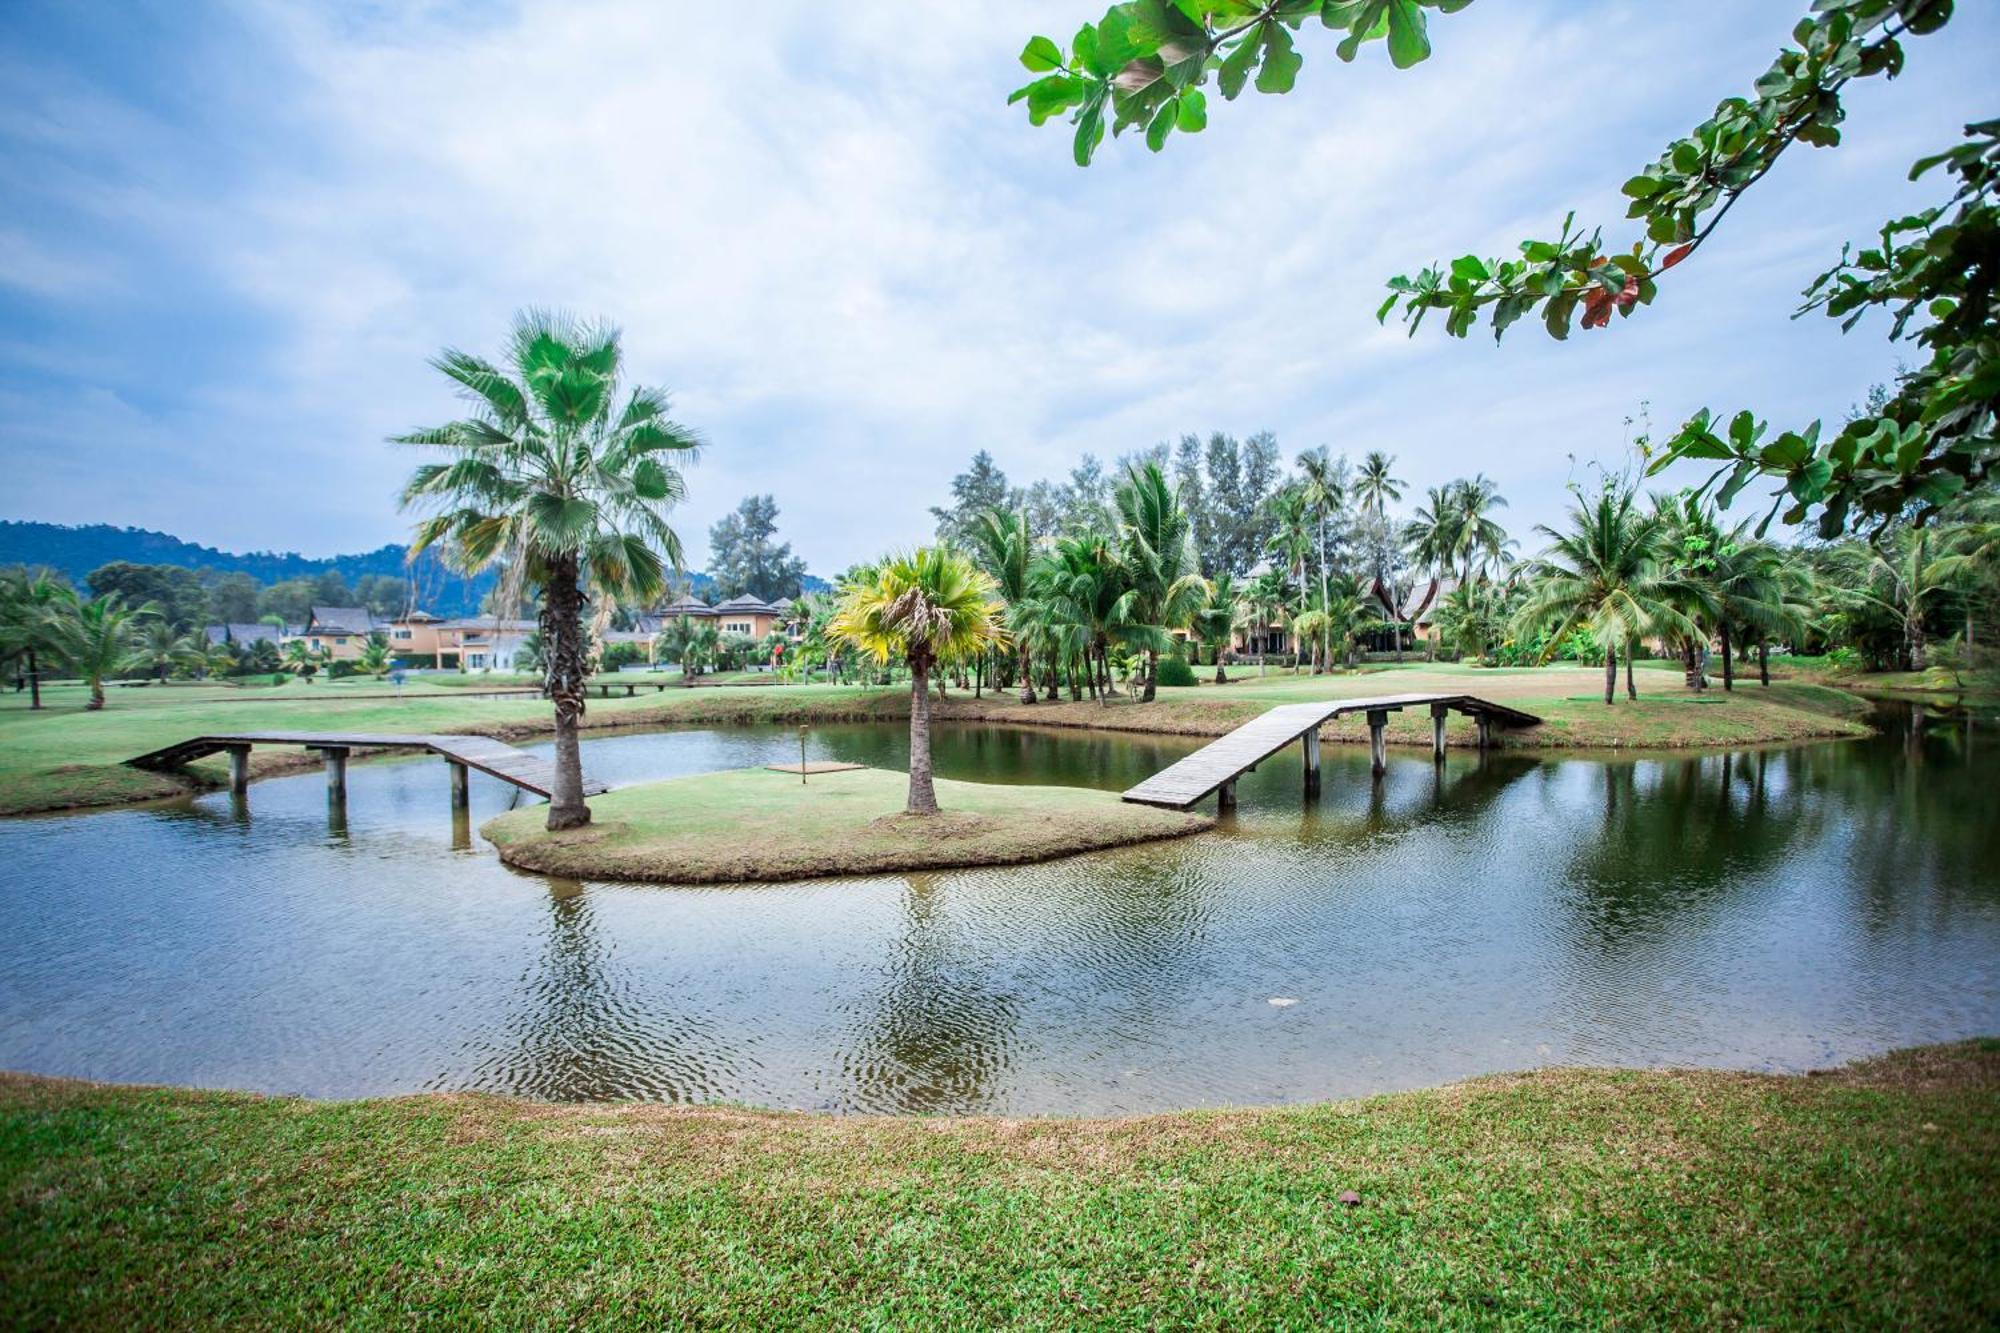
(341, 632)
(752, 617)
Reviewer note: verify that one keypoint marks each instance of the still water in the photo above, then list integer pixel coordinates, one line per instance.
(1774, 909)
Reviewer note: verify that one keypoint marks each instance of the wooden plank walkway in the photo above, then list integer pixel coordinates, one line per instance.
(1222, 761)
(531, 773)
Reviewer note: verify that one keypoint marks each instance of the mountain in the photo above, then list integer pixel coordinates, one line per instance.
(75, 551)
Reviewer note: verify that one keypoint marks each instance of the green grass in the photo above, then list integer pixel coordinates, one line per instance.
(64, 757)
(1562, 1198)
(754, 824)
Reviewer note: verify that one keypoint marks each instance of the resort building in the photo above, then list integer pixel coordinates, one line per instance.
(340, 632)
(482, 643)
(244, 635)
(751, 617)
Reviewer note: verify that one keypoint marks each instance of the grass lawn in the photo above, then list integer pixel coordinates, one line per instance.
(65, 757)
(757, 824)
(1868, 1197)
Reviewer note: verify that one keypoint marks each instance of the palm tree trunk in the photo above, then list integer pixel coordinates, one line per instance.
(34, 681)
(562, 607)
(1152, 674)
(923, 792)
(1610, 675)
(1763, 662)
(1728, 662)
(1631, 686)
(1027, 674)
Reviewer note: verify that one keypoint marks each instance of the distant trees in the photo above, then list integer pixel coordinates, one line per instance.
(744, 558)
(175, 593)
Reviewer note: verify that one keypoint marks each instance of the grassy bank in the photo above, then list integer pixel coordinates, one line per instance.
(754, 824)
(1868, 1197)
(64, 757)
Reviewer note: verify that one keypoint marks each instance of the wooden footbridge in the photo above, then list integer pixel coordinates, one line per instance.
(530, 773)
(1214, 768)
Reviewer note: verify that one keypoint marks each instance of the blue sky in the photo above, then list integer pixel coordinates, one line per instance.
(232, 233)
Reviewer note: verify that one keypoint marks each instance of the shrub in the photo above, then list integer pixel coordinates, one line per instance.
(1176, 671)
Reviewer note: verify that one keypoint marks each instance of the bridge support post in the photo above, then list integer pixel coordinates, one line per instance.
(1225, 797)
(336, 772)
(1485, 731)
(1438, 713)
(1310, 744)
(461, 785)
(239, 769)
(1378, 743)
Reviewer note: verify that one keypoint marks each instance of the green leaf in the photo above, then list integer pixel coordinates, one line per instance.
(1470, 268)
(1643, 187)
(1089, 129)
(1236, 66)
(1161, 125)
(1193, 110)
(1041, 54)
(1409, 44)
(1280, 69)
(1784, 453)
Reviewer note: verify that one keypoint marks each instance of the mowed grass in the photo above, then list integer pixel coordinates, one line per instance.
(755, 824)
(64, 757)
(1869, 1197)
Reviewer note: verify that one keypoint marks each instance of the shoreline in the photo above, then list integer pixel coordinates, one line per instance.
(1789, 711)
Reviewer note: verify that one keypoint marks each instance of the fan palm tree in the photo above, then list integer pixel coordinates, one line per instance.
(930, 608)
(1005, 545)
(1162, 568)
(559, 478)
(27, 603)
(1374, 486)
(1603, 575)
(94, 639)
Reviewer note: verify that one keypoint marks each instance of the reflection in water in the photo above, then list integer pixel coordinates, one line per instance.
(1777, 908)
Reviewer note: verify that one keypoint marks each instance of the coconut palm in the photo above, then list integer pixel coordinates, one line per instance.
(1603, 575)
(1323, 489)
(1264, 605)
(1217, 621)
(1477, 538)
(1081, 589)
(160, 647)
(303, 660)
(1162, 569)
(1374, 486)
(27, 603)
(1471, 616)
(1291, 542)
(556, 476)
(375, 658)
(94, 639)
(1897, 575)
(1005, 546)
(930, 608)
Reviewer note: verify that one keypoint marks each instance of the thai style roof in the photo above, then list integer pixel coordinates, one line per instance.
(752, 606)
(689, 605)
(340, 620)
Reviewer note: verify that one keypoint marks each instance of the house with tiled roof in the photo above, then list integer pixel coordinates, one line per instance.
(340, 632)
(750, 616)
(243, 634)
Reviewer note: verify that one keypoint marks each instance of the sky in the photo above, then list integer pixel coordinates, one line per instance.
(233, 234)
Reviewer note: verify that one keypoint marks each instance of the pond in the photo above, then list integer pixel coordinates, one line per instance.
(1776, 909)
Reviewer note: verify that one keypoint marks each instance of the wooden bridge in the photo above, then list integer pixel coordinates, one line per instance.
(530, 773)
(1215, 767)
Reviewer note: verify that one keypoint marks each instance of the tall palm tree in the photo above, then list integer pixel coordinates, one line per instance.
(1082, 586)
(94, 639)
(1323, 488)
(1005, 545)
(28, 601)
(1374, 486)
(1162, 568)
(1898, 575)
(1478, 539)
(559, 478)
(930, 608)
(1603, 575)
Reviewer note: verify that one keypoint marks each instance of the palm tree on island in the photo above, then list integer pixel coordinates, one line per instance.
(931, 608)
(568, 484)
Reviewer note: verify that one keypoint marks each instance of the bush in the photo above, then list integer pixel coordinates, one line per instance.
(342, 670)
(618, 655)
(1176, 671)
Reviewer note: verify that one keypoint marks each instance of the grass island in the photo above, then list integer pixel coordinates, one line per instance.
(759, 824)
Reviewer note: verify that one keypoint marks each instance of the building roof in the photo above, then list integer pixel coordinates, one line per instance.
(689, 605)
(340, 620)
(416, 618)
(490, 625)
(754, 606)
(242, 633)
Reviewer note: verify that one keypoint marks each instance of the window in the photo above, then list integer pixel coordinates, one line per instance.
(315, 644)
(737, 627)
(477, 660)
(342, 641)
(403, 634)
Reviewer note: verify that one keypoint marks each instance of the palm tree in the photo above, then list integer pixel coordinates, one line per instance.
(1006, 550)
(1081, 592)
(1603, 575)
(374, 659)
(94, 639)
(1162, 568)
(1471, 615)
(1374, 487)
(1262, 606)
(303, 660)
(1896, 575)
(930, 608)
(27, 602)
(1478, 539)
(1323, 488)
(160, 647)
(1218, 619)
(557, 478)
